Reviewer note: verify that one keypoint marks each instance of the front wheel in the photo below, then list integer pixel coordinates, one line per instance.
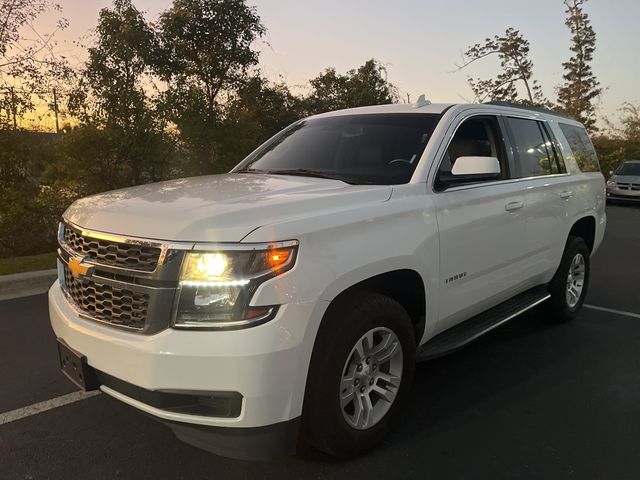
(568, 287)
(361, 369)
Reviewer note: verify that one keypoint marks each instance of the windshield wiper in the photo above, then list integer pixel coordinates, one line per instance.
(303, 172)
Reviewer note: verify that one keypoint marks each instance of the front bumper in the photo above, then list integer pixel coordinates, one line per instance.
(267, 365)
(614, 193)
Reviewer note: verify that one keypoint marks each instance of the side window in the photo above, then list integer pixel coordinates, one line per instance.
(536, 153)
(556, 160)
(476, 137)
(581, 147)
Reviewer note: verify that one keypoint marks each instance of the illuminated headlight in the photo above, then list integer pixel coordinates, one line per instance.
(216, 286)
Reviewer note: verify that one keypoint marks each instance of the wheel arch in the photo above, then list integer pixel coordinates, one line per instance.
(585, 228)
(406, 286)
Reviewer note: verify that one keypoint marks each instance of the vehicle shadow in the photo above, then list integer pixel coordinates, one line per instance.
(459, 402)
(500, 362)
(484, 378)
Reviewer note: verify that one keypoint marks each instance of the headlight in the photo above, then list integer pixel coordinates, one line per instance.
(611, 183)
(216, 286)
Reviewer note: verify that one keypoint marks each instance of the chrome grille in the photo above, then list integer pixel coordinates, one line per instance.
(123, 255)
(116, 306)
(628, 186)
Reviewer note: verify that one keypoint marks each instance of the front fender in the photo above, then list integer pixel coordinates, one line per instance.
(342, 249)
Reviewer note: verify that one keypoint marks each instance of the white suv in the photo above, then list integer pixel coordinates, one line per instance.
(292, 297)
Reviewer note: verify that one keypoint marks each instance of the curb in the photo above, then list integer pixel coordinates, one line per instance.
(25, 284)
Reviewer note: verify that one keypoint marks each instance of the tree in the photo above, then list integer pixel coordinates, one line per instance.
(580, 88)
(620, 142)
(630, 119)
(113, 77)
(19, 51)
(122, 141)
(206, 54)
(27, 63)
(207, 44)
(27, 58)
(256, 111)
(366, 85)
(512, 50)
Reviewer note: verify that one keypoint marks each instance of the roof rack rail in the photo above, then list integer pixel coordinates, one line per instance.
(528, 107)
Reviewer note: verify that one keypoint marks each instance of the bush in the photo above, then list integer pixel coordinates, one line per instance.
(92, 159)
(29, 210)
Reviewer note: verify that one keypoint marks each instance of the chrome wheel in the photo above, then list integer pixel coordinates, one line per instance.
(371, 378)
(575, 280)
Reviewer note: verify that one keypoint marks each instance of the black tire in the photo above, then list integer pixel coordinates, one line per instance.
(558, 307)
(346, 321)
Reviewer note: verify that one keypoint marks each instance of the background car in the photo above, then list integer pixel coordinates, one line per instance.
(624, 183)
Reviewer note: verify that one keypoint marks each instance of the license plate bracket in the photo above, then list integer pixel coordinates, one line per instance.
(75, 367)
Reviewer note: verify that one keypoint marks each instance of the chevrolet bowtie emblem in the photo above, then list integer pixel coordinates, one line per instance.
(79, 269)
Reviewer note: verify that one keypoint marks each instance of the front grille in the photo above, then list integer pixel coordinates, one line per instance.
(123, 255)
(117, 306)
(628, 186)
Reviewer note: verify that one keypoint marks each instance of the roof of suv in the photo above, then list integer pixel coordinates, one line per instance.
(439, 108)
(436, 108)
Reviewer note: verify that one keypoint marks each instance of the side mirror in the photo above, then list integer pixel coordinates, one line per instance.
(469, 170)
(610, 172)
(476, 168)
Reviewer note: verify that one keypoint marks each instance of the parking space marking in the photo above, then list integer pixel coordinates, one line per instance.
(612, 310)
(36, 408)
(73, 397)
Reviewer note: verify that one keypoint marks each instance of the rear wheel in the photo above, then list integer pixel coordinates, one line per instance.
(361, 369)
(568, 287)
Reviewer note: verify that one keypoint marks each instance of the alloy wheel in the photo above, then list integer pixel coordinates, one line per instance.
(371, 378)
(575, 280)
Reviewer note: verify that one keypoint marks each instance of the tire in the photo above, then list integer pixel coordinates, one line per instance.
(563, 306)
(330, 425)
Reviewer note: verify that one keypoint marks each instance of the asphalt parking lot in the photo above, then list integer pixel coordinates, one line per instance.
(530, 400)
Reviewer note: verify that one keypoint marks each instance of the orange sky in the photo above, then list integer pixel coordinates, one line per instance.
(419, 40)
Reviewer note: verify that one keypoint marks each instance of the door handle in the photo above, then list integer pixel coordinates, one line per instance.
(566, 194)
(513, 206)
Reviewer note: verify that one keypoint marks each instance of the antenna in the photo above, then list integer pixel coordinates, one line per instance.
(422, 102)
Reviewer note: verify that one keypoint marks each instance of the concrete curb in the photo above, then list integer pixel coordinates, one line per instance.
(26, 284)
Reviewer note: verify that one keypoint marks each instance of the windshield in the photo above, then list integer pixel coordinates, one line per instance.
(629, 169)
(381, 149)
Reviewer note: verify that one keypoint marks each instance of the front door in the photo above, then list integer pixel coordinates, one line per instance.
(482, 227)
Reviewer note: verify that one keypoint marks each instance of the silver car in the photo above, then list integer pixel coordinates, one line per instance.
(624, 183)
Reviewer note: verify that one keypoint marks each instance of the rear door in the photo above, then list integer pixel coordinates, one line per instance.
(481, 225)
(549, 193)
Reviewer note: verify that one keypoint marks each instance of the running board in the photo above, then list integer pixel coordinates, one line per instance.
(469, 330)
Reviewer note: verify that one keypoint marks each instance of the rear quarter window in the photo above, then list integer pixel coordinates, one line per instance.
(536, 154)
(581, 147)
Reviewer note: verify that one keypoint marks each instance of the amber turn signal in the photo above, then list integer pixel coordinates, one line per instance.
(278, 258)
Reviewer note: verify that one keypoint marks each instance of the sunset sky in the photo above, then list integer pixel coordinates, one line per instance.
(419, 41)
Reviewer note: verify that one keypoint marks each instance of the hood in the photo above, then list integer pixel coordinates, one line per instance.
(216, 208)
(626, 178)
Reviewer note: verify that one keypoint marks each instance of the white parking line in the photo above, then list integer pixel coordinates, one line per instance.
(611, 310)
(36, 408)
(19, 413)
